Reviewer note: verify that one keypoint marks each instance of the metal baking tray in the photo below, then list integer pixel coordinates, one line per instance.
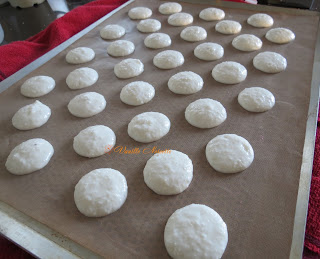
(44, 242)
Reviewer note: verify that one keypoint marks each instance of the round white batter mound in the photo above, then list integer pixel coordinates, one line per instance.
(229, 72)
(260, 20)
(168, 173)
(120, 48)
(280, 35)
(180, 19)
(270, 62)
(100, 192)
(80, 55)
(128, 68)
(186, 82)
(205, 113)
(112, 32)
(212, 14)
(228, 27)
(229, 153)
(149, 25)
(256, 99)
(170, 8)
(148, 127)
(137, 93)
(31, 116)
(193, 33)
(139, 13)
(168, 59)
(29, 156)
(87, 104)
(81, 78)
(37, 86)
(209, 51)
(247, 42)
(94, 141)
(196, 231)
(157, 41)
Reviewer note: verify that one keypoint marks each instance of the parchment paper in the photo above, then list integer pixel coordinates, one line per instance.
(258, 205)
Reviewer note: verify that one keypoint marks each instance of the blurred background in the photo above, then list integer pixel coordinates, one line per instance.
(21, 23)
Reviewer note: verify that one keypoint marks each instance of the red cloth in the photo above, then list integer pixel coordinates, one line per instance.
(312, 238)
(9, 250)
(16, 55)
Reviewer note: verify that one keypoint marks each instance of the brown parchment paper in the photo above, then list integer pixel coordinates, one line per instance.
(258, 204)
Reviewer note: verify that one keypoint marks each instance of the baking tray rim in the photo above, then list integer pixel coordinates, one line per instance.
(20, 228)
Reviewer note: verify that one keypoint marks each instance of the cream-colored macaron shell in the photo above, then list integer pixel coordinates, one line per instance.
(256, 99)
(195, 231)
(128, 68)
(100, 192)
(205, 113)
(247, 42)
(29, 156)
(193, 33)
(180, 19)
(37, 86)
(212, 14)
(80, 55)
(157, 40)
(170, 8)
(112, 32)
(260, 20)
(149, 25)
(94, 141)
(229, 153)
(140, 13)
(186, 82)
(270, 62)
(229, 72)
(228, 27)
(209, 51)
(148, 127)
(168, 173)
(137, 93)
(280, 35)
(87, 104)
(31, 116)
(81, 78)
(120, 48)
(168, 59)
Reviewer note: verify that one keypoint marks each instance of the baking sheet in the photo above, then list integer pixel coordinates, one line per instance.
(258, 205)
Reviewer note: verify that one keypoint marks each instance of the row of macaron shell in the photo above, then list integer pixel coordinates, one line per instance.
(223, 68)
(221, 249)
(104, 104)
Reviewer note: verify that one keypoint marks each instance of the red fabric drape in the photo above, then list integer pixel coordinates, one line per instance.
(18, 54)
(312, 238)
